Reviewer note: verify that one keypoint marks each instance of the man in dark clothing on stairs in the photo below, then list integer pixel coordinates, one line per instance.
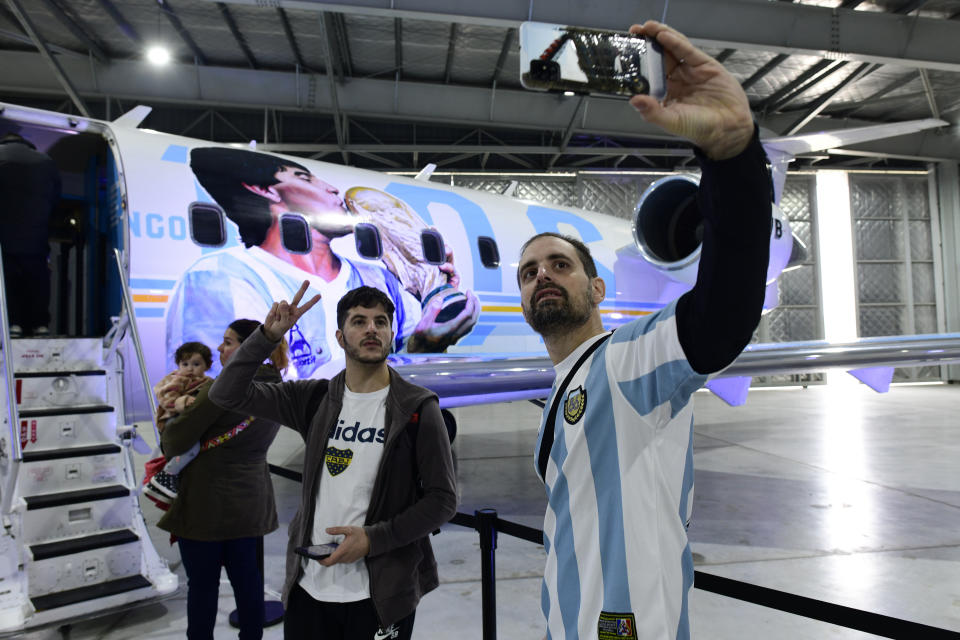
(29, 191)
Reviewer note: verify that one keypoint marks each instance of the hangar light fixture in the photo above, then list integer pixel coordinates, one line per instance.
(835, 235)
(158, 55)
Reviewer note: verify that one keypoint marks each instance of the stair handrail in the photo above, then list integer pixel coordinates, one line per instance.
(12, 413)
(137, 345)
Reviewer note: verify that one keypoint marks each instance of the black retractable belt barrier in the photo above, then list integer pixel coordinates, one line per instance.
(487, 524)
(289, 474)
(875, 623)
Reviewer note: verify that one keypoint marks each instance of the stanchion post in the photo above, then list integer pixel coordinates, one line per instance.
(487, 527)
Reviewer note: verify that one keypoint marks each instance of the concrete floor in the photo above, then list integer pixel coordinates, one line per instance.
(837, 494)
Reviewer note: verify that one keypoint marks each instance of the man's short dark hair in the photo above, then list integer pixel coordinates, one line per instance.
(223, 172)
(583, 251)
(366, 297)
(187, 349)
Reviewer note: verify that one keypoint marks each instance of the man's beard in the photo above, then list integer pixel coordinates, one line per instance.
(355, 353)
(558, 315)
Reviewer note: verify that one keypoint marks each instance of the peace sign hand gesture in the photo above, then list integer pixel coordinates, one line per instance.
(283, 315)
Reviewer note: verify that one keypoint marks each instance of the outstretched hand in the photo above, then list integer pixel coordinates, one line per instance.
(430, 336)
(704, 103)
(283, 315)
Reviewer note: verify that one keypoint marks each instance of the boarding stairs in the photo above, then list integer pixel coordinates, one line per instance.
(73, 542)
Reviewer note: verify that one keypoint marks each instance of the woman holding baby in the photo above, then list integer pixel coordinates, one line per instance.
(224, 502)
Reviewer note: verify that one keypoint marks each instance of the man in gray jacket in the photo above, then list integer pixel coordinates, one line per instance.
(377, 474)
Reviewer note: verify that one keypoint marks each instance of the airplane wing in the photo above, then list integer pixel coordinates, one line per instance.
(469, 380)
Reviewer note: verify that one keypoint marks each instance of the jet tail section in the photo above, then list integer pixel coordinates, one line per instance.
(781, 150)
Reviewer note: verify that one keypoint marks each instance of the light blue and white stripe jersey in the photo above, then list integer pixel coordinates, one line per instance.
(619, 484)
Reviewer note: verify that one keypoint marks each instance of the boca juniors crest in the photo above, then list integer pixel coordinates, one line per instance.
(338, 460)
(575, 405)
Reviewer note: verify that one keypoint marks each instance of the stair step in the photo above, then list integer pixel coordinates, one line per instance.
(65, 411)
(47, 550)
(59, 374)
(72, 452)
(74, 497)
(83, 594)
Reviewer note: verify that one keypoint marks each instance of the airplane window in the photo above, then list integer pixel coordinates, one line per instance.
(432, 243)
(367, 237)
(295, 233)
(489, 253)
(207, 226)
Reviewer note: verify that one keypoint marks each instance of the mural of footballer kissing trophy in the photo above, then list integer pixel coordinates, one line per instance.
(400, 228)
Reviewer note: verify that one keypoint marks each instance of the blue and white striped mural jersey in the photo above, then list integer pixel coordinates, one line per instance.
(619, 487)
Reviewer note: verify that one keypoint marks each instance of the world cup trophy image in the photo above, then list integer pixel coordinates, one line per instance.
(400, 231)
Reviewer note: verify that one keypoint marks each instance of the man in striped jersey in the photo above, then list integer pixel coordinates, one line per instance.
(615, 445)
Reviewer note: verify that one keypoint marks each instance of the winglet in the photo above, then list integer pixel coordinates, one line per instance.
(733, 391)
(510, 189)
(134, 117)
(426, 172)
(877, 378)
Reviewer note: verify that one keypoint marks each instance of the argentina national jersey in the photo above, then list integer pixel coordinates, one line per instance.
(619, 484)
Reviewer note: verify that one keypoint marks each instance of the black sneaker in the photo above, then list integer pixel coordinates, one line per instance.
(164, 483)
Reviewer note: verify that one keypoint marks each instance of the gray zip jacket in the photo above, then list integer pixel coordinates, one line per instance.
(415, 488)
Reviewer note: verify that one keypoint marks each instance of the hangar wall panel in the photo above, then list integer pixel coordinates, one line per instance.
(893, 244)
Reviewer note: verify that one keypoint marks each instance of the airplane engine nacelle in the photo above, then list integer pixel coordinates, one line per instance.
(668, 230)
(668, 227)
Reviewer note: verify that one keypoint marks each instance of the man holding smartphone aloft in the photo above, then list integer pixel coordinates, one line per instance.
(377, 474)
(615, 445)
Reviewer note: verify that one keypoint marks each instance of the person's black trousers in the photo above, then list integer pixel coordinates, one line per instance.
(309, 619)
(27, 278)
(202, 561)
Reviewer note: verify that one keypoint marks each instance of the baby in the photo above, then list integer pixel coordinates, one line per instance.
(178, 389)
(175, 392)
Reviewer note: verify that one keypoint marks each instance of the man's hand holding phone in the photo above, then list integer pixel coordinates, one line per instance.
(354, 546)
(704, 103)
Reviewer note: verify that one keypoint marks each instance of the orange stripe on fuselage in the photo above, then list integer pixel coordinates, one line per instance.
(625, 312)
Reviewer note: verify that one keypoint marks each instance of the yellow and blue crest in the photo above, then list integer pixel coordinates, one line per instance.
(338, 460)
(575, 405)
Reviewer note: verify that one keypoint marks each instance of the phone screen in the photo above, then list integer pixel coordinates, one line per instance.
(554, 57)
(317, 551)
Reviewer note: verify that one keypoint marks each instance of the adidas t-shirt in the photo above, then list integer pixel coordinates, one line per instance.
(346, 482)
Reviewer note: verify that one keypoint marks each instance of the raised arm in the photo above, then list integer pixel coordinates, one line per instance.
(706, 105)
(290, 403)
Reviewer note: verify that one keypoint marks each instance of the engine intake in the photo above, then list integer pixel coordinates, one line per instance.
(667, 223)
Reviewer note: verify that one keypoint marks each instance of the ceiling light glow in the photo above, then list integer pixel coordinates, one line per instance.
(158, 55)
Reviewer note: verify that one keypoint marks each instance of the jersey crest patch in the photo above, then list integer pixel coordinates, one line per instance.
(300, 349)
(616, 626)
(575, 405)
(338, 460)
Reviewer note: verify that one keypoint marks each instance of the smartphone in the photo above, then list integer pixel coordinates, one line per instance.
(554, 57)
(317, 551)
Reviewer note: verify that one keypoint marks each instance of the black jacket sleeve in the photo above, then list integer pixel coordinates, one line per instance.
(716, 319)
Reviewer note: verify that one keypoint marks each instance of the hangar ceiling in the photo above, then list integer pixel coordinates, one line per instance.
(395, 84)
